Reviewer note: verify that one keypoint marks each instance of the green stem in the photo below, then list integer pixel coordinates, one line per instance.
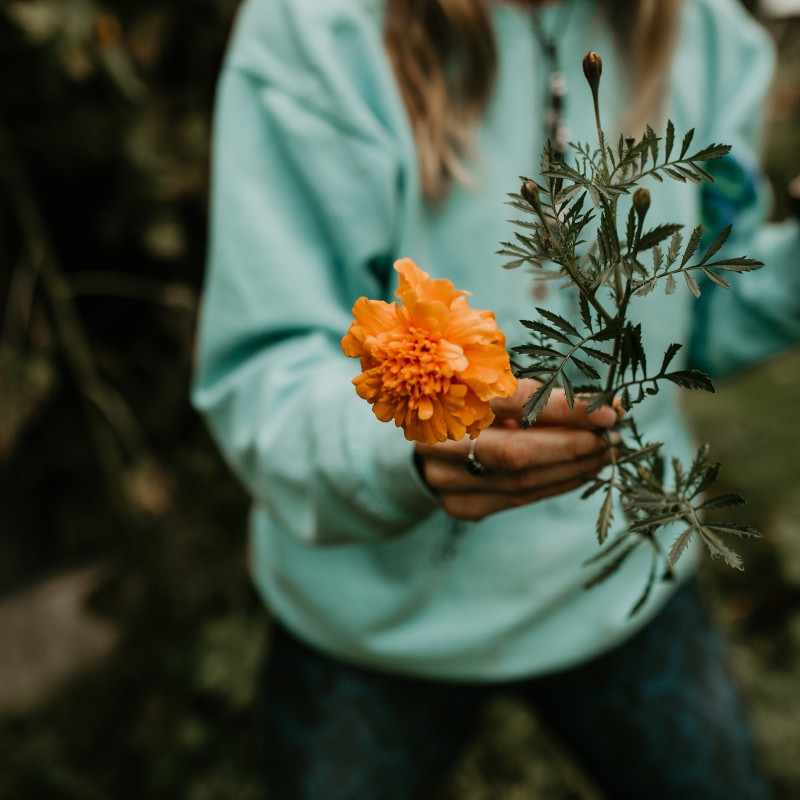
(569, 264)
(577, 279)
(612, 372)
(622, 309)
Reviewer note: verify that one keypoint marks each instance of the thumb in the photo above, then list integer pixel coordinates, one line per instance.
(557, 412)
(511, 407)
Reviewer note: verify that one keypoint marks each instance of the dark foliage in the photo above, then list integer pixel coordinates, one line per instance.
(104, 131)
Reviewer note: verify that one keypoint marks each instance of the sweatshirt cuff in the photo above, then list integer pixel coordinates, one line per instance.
(385, 460)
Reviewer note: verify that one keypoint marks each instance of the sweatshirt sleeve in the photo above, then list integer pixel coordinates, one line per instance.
(304, 209)
(760, 314)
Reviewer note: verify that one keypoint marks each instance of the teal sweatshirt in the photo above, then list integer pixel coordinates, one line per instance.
(315, 194)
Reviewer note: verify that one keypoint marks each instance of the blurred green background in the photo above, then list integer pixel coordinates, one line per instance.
(130, 637)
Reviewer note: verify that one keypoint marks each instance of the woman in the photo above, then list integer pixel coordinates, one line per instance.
(343, 142)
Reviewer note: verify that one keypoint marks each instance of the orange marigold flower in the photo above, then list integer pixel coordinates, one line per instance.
(432, 363)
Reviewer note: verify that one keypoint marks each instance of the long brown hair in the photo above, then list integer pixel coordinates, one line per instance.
(445, 57)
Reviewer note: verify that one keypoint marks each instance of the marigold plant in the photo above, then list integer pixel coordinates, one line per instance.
(574, 229)
(430, 363)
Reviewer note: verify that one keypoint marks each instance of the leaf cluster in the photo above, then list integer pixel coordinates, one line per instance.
(653, 500)
(584, 223)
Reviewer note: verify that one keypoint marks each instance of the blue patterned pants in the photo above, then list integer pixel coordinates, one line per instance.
(659, 718)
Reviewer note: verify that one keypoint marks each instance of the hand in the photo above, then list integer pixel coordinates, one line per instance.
(556, 455)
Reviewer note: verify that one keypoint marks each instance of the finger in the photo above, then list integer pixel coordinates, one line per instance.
(541, 447)
(474, 507)
(581, 470)
(584, 457)
(514, 450)
(511, 407)
(452, 478)
(557, 411)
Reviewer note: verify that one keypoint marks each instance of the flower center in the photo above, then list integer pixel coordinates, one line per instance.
(418, 364)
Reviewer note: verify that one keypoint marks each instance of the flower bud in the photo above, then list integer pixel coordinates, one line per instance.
(530, 192)
(593, 69)
(641, 202)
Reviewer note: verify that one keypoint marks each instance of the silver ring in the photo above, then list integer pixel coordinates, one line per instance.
(472, 465)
